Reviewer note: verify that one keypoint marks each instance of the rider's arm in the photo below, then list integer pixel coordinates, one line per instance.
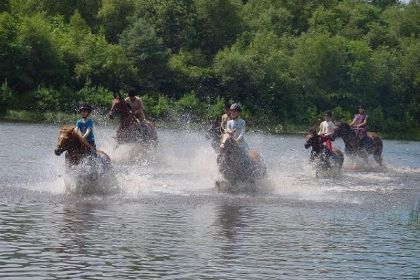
(87, 132)
(353, 121)
(89, 129)
(223, 123)
(241, 131)
(140, 110)
(78, 128)
(322, 128)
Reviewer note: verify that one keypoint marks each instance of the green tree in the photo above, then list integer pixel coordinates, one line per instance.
(319, 63)
(147, 52)
(9, 50)
(218, 24)
(87, 8)
(4, 5)
(40, 61)
(174, 21)
(114, 17)
(351, 19)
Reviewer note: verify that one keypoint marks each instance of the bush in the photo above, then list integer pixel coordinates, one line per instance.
(340, 114)
(190, 104)
(163, 107)
(96, 96)
(215, 110)
(46, 99)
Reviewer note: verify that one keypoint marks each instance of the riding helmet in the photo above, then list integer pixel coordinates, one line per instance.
(236, 107)
(85, 106)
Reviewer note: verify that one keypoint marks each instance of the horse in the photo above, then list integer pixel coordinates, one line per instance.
(213, 134)
(238, 165)
(82, 160)
(130, 129)
(322, 159)
(354, 146)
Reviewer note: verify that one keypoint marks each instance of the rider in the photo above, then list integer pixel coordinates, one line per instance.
(326, 129)
(359, 123)
(225, 118)
(84, 126)
(136, 105)
(236, 125)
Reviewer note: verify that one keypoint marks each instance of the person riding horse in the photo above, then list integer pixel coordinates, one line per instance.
(136, 105)
(326, 129)
(359, 125)
(236, 125)
(130, 130)
(322, 158)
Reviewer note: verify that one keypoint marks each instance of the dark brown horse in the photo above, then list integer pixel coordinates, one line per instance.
(238, 165)
(322, 159)
(94, 164)
(354, 146)
(131, 130)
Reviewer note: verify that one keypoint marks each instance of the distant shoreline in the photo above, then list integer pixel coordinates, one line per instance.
(61, 118)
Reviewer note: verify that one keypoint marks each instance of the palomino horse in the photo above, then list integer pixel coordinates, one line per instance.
(322, 158)
(355, 146)
(130, 130)
(238, 165)
(94, 164)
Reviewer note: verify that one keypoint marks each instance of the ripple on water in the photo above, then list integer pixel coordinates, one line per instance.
(170, 222)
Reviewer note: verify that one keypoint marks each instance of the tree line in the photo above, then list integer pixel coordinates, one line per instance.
(286, 61)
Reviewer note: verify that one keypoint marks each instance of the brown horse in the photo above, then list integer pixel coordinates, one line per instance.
(322, 159)
(354, 146)
(131, 130)
(238, 165)
(89, 165)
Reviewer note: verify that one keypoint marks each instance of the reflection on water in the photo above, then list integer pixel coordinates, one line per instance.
(170, 222)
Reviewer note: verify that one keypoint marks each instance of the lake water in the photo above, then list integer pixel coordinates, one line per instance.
(170, 222)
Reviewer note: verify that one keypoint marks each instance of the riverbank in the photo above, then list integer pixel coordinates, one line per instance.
(61, 118)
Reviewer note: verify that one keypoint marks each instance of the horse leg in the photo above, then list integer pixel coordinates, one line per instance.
(378, 158)
(378, 152)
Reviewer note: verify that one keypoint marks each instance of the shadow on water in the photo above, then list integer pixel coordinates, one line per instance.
(230, 219)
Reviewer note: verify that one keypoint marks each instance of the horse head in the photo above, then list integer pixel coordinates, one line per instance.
(65, 139)
(341, 128)
(70, 140)
(227, 140)
(115, 107)
(312, 138)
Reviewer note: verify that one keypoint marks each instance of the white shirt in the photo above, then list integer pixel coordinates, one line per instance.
(238, 126)
(326, 128)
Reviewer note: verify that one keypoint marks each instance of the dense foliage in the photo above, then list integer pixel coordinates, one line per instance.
(284, 60)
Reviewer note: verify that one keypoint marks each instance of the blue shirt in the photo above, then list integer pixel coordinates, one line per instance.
(82, 125)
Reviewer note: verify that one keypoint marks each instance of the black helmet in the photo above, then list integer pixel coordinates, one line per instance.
(361, 107)
(236, 107)
(85, 106)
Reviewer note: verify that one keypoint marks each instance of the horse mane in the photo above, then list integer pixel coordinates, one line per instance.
(312, 131)
(72, 131)
(343, 123)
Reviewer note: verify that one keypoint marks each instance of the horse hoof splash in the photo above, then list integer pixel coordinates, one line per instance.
(239, 166)
(325, 162)
(88, 171)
